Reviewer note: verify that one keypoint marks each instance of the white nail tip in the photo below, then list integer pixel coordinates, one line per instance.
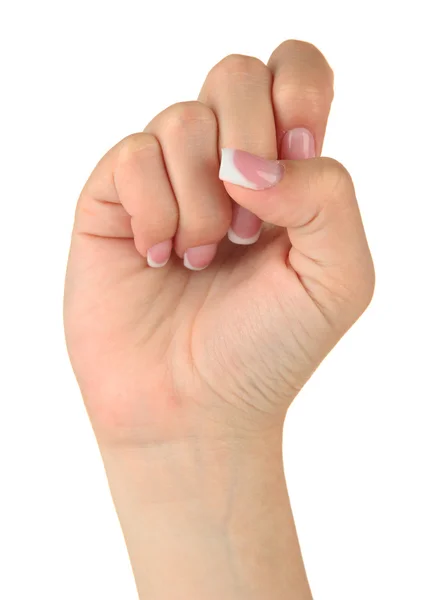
(229, 172)
(236, 239)
(190, 266)
(154, 264)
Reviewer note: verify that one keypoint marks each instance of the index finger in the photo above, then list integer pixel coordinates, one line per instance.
(302, 93)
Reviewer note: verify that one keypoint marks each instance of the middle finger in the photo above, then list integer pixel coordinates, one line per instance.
(238, 90)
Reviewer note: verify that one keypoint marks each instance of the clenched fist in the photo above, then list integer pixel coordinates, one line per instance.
(216, 259)
(238, 314)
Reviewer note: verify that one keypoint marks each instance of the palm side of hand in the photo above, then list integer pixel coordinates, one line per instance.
(171, 352)
(166, 349)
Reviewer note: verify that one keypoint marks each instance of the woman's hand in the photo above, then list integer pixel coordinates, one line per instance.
(187, 363)
(165, 353)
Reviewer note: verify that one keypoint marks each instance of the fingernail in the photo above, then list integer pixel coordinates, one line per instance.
(248, 170)
(298, 144)
(245, 228)
(200, 257)
(158, 255)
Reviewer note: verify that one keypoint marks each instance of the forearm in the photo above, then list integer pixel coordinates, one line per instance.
(208, 520)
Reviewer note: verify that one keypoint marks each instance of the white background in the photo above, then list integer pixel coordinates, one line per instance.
(361, 450)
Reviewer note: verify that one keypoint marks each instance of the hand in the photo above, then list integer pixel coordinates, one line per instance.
(189, 345)
(170, 352)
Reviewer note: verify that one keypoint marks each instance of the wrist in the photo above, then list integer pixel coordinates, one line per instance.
(215, 513)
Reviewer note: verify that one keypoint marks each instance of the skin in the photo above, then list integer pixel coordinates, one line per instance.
(187, 375)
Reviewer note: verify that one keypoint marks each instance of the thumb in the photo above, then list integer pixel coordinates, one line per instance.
(314, 199)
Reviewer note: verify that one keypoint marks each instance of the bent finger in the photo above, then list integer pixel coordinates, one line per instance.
(302, 94)
(128, 196)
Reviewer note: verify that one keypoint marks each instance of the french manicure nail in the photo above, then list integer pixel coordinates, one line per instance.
(245, 228)
(237, 239)
(248, 170)
(159, 254)
(298, 144)
(199, 257)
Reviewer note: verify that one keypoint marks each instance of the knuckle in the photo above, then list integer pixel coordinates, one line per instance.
(314, 97)
(208, 228)
(162, 228)
(296, 46)
(314, 80)
(240, 66)
(190, 113)
(146, 142)
(308, 52)
(334, 178)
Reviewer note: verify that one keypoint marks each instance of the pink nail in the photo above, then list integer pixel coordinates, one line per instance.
(158, 255)
(200, 257)
(248, 170)
(245, 228)
(298, 144)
